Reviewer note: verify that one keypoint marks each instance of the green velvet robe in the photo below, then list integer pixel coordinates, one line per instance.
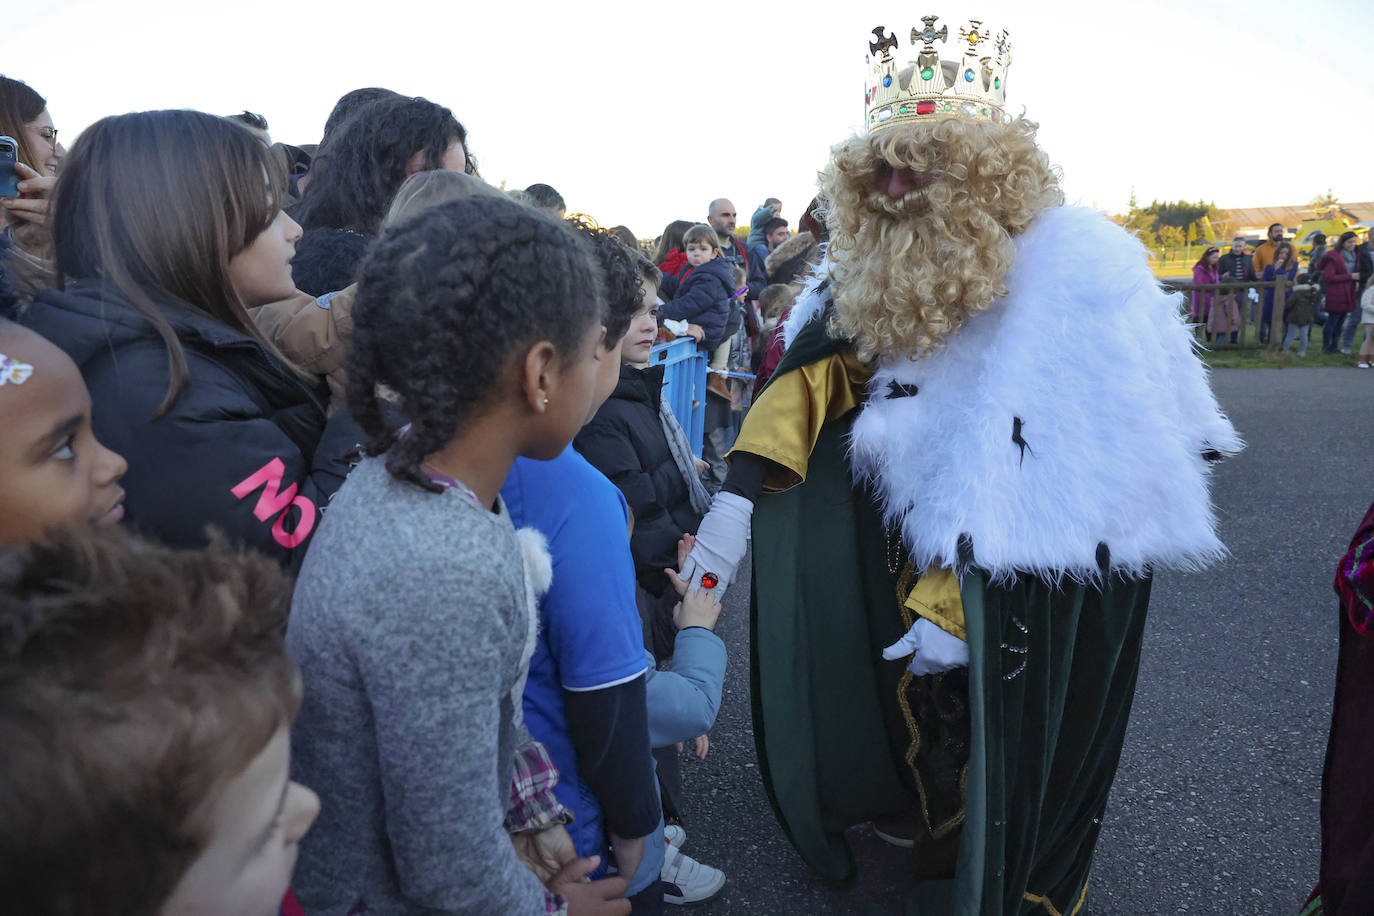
(1049, 686)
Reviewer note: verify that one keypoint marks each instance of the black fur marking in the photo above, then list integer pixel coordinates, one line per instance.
(1016, 424)
(823, 285)
(896, 389)
(964, 550)
(1211, 455)
(1104, 557)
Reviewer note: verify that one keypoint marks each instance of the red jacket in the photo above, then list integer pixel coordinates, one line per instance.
(1340, 285)
(673, 262)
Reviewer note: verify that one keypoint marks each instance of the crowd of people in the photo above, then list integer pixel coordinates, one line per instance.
(1333, 291)
(352, 560)
(481, 661)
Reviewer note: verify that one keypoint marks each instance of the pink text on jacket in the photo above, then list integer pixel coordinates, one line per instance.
(274, 500)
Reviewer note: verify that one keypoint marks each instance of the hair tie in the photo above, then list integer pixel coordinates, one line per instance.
(13, 372)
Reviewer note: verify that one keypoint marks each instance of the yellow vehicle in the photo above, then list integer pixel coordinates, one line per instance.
(1331, 227)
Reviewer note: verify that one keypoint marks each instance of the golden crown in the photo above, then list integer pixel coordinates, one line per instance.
(973, 87)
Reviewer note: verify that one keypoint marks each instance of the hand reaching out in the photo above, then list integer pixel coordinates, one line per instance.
(698, 608)
(590, 898)
(544, 853)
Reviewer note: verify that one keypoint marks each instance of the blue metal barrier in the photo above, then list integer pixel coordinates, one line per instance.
(684, 385)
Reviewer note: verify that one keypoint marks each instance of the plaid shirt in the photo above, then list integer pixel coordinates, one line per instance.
(533, 806)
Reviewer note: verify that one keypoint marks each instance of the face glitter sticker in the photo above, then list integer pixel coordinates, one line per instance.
(13, 372)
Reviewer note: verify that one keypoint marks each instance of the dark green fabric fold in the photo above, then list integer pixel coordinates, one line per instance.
(1046, 738)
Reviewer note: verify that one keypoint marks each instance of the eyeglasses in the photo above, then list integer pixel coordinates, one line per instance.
(49, 134)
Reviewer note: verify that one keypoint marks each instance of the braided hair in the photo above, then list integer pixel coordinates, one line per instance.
(446, 299)
(620, 274)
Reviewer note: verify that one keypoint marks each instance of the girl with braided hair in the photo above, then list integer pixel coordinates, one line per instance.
(413, 621)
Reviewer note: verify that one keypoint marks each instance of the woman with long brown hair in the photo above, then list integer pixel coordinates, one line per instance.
(168, 230)
(24, 118)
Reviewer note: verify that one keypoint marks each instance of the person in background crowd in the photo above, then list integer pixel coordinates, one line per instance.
(1299, 313)
(776, 304)
(585, 695)
(354, 176)
(1340, 270)
(349, 103)
(543, 197)
(669, 256)
(153, 307)
(1314, 274)
(703, 294)
(254, 122)
(774, 234)
(1284, 265)
(1364, 261)
(148, 698)
(720, 216)
(625, 237)
(1264, 251)
(316, 333)
(1235, 267)
(1366, 360)
(53, 470)
(414, 617)
(1205, 273)
(772, 207)
(25, 247)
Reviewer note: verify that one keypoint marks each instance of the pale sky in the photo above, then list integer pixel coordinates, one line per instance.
(641, 113)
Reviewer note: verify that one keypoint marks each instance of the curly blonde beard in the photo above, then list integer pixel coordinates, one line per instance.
(909, 272)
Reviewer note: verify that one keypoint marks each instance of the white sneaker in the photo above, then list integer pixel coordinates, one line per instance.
(674, 836)
(685, 880)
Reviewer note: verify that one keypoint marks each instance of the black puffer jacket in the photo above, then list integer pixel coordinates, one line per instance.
(625, 441)
(246, 447)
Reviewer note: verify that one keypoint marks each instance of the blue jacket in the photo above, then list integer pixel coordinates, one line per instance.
(683, 701)
(590, 635)
(703, 298)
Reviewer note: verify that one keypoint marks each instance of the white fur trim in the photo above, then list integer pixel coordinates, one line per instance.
(538, 577)
(1115, 409)
(809, 304)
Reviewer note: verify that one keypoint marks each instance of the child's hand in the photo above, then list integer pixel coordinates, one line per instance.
(545, 852)
(696, 332)
(700, 607)
(590, 898)
(703, 747)
(684, 547)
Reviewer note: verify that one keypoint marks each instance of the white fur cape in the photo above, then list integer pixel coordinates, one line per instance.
(1090, 365)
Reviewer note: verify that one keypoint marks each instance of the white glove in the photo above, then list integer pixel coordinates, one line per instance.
(721, 541)
(934, 649)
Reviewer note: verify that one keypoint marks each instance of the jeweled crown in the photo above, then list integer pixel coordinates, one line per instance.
(975, 86)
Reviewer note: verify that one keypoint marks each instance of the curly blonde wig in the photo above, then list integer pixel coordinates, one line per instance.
(908, 271)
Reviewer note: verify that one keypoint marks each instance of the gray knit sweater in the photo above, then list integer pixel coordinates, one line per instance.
(408, 624)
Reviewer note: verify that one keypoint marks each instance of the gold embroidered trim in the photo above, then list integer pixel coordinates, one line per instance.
(1050, 908)
(938, 831)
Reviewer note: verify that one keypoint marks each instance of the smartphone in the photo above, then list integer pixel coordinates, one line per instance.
(9, 178)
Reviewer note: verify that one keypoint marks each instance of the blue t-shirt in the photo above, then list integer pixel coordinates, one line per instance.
(590, 636)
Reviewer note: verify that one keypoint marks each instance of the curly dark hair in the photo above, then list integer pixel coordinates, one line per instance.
(350, 102)
(154, 675)
(446, 299)
(356, 172)
(619, 272)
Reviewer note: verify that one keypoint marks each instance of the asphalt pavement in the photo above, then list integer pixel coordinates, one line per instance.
(1215, 805)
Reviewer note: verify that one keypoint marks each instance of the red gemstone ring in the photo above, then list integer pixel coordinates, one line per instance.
(709, 580)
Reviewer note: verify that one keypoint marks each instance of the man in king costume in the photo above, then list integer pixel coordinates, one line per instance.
(988, 430)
